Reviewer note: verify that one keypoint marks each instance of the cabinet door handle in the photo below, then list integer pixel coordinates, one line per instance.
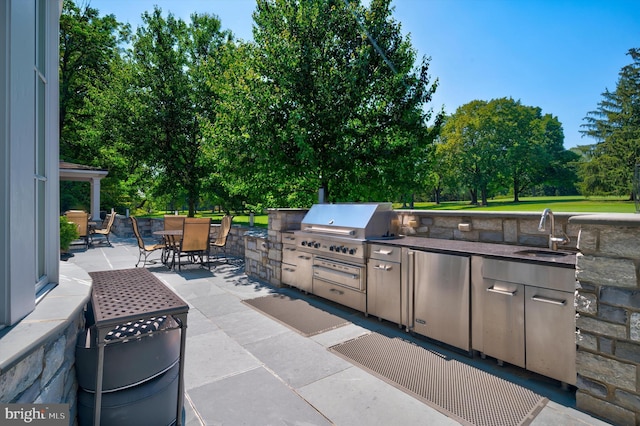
(333, 290)
(505, 292)
(547, 300)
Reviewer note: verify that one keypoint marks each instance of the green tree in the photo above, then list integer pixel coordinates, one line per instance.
(342, 106)
(615, 125)
(531, 142)
(503, 144)
(469, 148)
(88, 46)
(169, 56)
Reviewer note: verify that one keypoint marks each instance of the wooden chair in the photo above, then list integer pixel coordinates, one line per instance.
(104, 232)
(145, 249)
(195, 241)
(81, 219)
(220, 243)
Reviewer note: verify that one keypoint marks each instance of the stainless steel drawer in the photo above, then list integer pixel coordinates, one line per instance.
(354, 299)
(384, 252)
(562, 279)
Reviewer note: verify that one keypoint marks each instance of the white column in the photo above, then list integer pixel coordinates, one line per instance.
(95, 199)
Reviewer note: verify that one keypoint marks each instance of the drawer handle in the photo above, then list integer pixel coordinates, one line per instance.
(547, 300)
(304, 257)
(383, 267)
(385, 252)
(505, 292)
(335, 290)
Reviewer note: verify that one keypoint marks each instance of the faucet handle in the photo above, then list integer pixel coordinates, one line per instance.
(560, 240)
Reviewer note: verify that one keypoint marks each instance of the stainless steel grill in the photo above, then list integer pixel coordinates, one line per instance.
(329, 255)
(339, 231)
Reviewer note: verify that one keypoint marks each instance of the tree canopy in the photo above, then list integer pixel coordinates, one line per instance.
(330, 94)
(615, 125)
(341, 105)
(499, 144)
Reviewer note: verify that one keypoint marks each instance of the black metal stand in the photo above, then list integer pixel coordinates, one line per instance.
(120, 296)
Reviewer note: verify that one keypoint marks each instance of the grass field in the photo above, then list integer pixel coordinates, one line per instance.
(573, 204)
(576, 204)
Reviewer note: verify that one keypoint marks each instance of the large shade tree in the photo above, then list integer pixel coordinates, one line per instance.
(502, 144)
(169, 57)
(336, 102)
(615, 125)
(90, 49)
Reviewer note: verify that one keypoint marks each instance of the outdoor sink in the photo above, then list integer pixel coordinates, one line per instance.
(541, 253)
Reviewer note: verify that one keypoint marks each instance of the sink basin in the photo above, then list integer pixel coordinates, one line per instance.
(541, 253)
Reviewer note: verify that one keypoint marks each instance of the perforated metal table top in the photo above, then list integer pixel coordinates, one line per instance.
(130, 294)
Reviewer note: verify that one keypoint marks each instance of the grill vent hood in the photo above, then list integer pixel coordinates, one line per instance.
(353, 220)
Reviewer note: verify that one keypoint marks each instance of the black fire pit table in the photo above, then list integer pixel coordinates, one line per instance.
(120, 296)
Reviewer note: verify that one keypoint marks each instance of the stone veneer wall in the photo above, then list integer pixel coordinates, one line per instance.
(263, 250)
(517, 228)
(608, 306)
(37, 357)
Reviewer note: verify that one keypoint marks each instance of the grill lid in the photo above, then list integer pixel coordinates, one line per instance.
(354, 220)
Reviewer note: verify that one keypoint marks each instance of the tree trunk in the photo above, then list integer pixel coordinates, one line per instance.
(474, 196)
(483, 195)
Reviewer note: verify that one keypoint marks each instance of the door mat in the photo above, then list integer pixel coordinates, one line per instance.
(296, 314)
(460, 391)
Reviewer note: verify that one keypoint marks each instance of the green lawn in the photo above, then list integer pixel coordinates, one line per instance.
(573, 204)
(576, 204)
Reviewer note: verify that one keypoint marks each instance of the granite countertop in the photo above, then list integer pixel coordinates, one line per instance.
(565, 259)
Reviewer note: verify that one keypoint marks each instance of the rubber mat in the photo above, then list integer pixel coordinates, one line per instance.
(460, 391)
(296, 314)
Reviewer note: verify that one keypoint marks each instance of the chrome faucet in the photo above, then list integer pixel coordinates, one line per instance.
(553, 240)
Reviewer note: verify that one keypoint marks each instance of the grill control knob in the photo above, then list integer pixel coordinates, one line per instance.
(344, 249)
(332, 248)
(316, 245)
(352, 251)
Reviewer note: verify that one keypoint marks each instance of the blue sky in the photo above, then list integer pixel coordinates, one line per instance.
(559, 55)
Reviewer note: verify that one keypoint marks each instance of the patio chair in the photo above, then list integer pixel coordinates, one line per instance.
(81, 219)
(220, 243)
(195, 241)
(104, 232)
(145, 249)
(171, 223)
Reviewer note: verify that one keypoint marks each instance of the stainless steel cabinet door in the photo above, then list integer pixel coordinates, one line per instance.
(383, 290)
(503, 321)
(441, 297)
(550, 329)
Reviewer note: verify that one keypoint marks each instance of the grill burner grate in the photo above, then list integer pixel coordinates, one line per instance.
(465, 393)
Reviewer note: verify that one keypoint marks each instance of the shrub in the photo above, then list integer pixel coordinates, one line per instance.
(68, 233)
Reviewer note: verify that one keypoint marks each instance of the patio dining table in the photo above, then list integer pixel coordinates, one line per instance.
(171, 237)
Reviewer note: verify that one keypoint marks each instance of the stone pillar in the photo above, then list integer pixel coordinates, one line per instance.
(608, 317)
